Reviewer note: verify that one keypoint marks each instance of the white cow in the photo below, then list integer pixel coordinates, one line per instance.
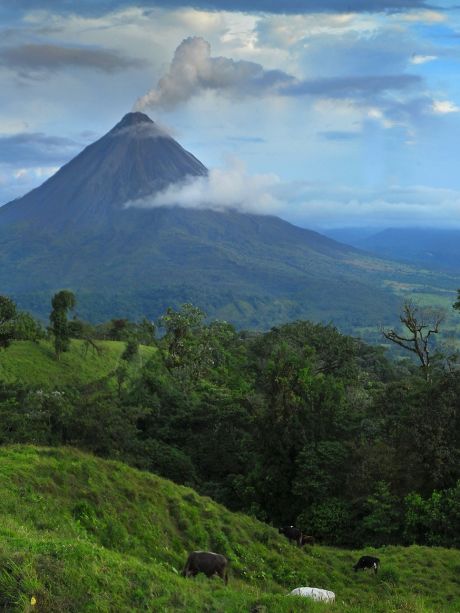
(314, 592)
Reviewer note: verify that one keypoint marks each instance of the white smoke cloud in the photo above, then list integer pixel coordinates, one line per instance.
(222, 189)
(193, 70)
(310, 204)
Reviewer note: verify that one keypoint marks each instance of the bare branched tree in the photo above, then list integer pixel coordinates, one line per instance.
(420, 325)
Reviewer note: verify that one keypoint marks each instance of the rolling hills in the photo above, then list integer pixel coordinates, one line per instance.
(82, 534)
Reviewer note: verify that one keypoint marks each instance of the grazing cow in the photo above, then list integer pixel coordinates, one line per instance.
(367, 562)
(315, 593)
(307, 540)
(292, 533)
(208, 563)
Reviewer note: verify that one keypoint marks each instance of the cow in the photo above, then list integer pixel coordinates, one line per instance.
(367, 562)
(208, 563)
(307, 540)
(315, 593)
(292, 533)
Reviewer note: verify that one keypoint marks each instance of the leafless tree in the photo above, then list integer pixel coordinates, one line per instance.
(420, 325)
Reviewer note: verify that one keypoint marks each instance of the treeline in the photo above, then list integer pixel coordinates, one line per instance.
(300, 424)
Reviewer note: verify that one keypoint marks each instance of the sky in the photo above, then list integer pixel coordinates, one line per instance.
(328, 113)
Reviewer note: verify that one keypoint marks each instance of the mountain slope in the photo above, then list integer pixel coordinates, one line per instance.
(133, 160)
(82, 534)
(75, 231)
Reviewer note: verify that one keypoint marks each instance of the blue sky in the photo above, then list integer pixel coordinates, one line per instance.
(326, 118)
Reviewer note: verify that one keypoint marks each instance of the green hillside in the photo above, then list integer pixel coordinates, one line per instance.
(36, 364)
(83, 534)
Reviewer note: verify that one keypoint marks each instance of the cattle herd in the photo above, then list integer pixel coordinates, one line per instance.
(211, 564)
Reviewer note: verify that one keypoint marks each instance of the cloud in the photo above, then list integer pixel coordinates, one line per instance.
(443, 107)
(337, 135)
(223, 189)
(422, 59)
(352, 87)
(36, 148)
(193, 70)
(255, 6)
(49, 57)
(310, 204)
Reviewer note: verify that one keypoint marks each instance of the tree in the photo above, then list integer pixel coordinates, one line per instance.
(420, 324)
(61, 302)
(8, 314)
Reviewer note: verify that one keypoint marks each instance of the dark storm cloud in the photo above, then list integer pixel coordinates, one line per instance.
(47, 57)
(266, 6)
(36, 148)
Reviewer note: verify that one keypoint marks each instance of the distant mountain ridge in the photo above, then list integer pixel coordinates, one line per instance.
(432, 247)
(74, 231)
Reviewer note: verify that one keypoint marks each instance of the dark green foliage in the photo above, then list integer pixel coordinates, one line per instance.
(7, 320)
(131, 352)
(299, 425)
(61, 303)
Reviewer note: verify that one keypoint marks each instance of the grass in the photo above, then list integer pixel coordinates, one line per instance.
(36, 364)
(83, 534)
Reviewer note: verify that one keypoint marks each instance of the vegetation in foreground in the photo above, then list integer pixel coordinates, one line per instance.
(301, 425)
(83, 534)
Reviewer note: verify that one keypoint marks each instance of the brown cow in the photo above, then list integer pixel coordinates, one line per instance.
(208, 563)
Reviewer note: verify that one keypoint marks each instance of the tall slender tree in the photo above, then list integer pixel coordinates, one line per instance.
(8, 315)
(62, 303)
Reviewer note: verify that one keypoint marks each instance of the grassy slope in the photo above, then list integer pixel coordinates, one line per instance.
(35, 363)
(83, 534)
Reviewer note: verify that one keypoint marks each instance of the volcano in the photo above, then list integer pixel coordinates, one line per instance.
(75, 231)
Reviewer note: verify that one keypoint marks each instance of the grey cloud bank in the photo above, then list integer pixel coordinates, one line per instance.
(36, 148)
(50, 57)
(268, 6)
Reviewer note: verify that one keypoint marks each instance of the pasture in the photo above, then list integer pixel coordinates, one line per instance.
(83, 534)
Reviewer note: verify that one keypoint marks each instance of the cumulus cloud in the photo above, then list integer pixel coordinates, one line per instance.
(310, 204)
(49, 57)
(194, 70)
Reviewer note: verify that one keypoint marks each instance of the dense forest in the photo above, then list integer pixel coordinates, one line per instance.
(300, 424)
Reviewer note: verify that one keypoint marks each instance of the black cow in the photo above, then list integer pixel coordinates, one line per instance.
(292, 533)
(208, 563)
(367, 562)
